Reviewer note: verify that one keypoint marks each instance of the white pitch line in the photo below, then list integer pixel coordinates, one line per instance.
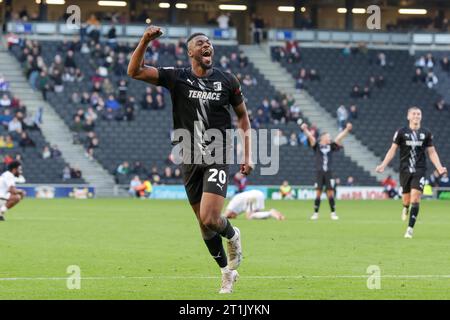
(424, 276)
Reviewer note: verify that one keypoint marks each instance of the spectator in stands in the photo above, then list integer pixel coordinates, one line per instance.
(75, 173)
(112, 103)
(130, 107)
(257, 27)
(353, 115)
(138, 169)
(105, 87)
(156, 178)
(168, 174)
(122, 91)
(279, 139)
(123, 168)
(43, 83)
(97, 87)
(90, 114)
(249, 81)
(356, 92)
(243, 60)
(429, 61)
(366, 92)
(286, 190)
(342, 116)
(223, 21)
(420, 63)
(380, 82)
(79, 76)
(350, 181)
(70, 60)
(26, 141)
(56, 153)
(4, 85)
(75, 98)
(300, 81)
(418, 77)
(108, 114)
(278, 114)
(88, 125)
(147, 103)
(6, 117)
(58, 85)
(66, 173)
(15, 126)
(313, 75)
(381, 59)
(294, 112)
(159, 103)
(46, 153)
(431, 80)
(5, 101)
(261, 118)
(440, 104)
(85, 98)
(293, 140)
(445, 64)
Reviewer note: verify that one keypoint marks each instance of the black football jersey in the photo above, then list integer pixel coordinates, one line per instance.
(323, 155)
(202, 103)
(413, 144)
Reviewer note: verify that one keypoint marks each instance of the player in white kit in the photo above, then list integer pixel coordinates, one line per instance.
(9, 195)
(252, 203)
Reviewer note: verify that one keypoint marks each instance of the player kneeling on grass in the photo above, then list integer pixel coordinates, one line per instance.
(252, 203)
(323, 151)
(9, 195)
(412, 141)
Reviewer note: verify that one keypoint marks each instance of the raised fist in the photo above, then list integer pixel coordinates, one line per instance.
(152, 33)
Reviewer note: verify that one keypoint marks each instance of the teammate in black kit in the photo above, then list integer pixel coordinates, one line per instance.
(202, 97)
(323, 152)
(413, 141)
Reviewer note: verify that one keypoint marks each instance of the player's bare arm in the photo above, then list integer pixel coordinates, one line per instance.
(434, 157)
(136, 67)
(388, 158)
(15, 191)
(309, 135)
(343, 133)
(244, 125)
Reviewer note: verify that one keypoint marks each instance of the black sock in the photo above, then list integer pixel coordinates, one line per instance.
(332, 204)
(227, 232)
(215, 247)
(316, 205)
(413, 215)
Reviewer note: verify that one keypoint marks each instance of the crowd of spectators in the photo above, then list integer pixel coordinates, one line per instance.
(424, 73)
(170, 174)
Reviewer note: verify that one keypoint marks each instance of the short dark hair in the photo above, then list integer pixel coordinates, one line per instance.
(192, 36)
(14, 165)
(414, 108)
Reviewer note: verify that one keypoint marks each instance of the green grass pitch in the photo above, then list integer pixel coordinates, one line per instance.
(133, 249)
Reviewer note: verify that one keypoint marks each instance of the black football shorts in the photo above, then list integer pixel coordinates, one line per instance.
(415, 180)
(324, 178)
(199, 178)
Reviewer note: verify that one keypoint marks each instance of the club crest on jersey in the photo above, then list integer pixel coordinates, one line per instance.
(217, 86)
